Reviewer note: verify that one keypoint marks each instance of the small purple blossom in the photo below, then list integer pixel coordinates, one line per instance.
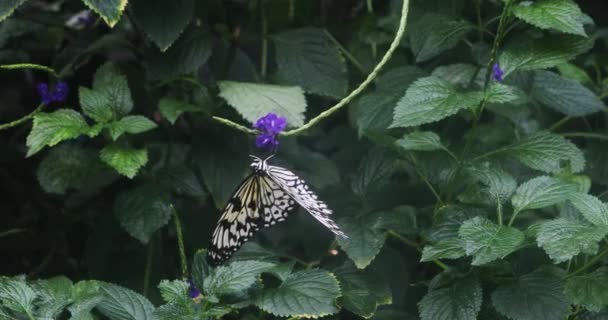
(193, 292)
(497, 73)
(58, 94)
(270, 126)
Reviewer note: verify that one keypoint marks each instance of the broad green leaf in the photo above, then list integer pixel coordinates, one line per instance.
(560, 15)
(54, 295)
(541, 192)
(235, 277)
(546, 151)
(124, 304)
(172, 109)
(110, 84)
(594, 210)
(173, 290)
(304, 294)
(459, 301)
(254, 100)
(69, 166)
(307, 58)
(458, 74)
(175, 17)
(589, 290)
(401, 219)
(363, 291)
(534, 296)
(420, 141)
(51, 128)
(373, 112)
(16, 295)
(143, 210)
(563, 239)
(364, 240)
(125, 160)
(432, 34)
(181, 180)
(109, 10)
(374, 171)
(95, 104)
(431, 99)
(571, 71)
(565, 95)
(500, 93)
(8, 6)
(529, 54)
(499, 185)
(130, 124)
(487, 241)
(200, 268)
(86, 295)
(444, 249)
(186, 55)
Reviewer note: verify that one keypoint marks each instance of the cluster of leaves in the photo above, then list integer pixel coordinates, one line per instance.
(464, 195)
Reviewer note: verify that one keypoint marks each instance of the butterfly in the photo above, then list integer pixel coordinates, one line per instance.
(263, 198)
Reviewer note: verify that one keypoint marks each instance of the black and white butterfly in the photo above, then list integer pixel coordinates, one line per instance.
(264, 198)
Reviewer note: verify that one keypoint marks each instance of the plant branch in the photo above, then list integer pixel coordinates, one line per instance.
(417, 247)
(11, 232)
(264, 55)
(348, 55)
(23, 119)
(29, 66)
(180, 243)
(586, 135)
(590, 263)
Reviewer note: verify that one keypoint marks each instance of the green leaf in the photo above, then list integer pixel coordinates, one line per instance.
(458, 74)
(69, 166)
(565, 95)
(534, 296)
(172, 109)
(186, 55)
(362, 291)
(541, 192)
(175, 17)
(16, 295)
(110, 84)
(254, 100)
(305, 294)
(234, 278)
(125, 160)
(95, 105)
(499, 185)
(86, 295)
(589, 290)
(530, 53)
(374, 171)
(560, 15)
(460, 301)
(54, 295)
(500, 93)
(563, 239)
(420, 141)
(594, 210)
(400, 218)
(546, 151)
(123, 304)
(181, 180)
(200, 268)
(364, 240)
(487, 241)
(571, 71)
(51, 128)
(130, 124)
(109, 10)
(444, 249)
(434, 33)
(307, 58)
(8, 6)
(143, 210)
(173, 290)
(431, 99)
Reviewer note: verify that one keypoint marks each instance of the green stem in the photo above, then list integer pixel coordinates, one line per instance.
(348, 55)
(515, 213)
(29, 66)
(148, 269)
(590, 263)
(21, 120)
(180, 243)
(499, 210)
(11, 232)
(586, 135)
(499, 35)
(370, 6)
(426, 181)
(417, 247)
(480, 26)
(264, 57)
(370, 77)
(559, 123)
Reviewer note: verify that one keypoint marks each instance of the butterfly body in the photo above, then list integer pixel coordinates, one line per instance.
(264, 198)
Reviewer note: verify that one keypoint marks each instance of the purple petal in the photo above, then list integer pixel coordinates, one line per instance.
(192, 290)
(43, 92)
(266, 141)
(497, 73)
(61, 92)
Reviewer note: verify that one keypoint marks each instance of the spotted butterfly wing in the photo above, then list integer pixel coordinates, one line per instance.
(306, 198)
(257, 202)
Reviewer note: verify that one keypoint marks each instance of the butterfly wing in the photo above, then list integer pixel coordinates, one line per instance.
(301, 193)
(257, 202)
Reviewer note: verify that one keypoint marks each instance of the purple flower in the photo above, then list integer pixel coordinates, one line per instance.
(192, 290)
(269, 126)
(58, 94)
(497, 72)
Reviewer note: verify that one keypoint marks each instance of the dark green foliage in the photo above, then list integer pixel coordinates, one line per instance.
(470, 175)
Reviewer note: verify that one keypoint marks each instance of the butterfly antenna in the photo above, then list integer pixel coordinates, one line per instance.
(270, 156)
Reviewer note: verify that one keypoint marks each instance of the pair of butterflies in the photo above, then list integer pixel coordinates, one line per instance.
(264, 198)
